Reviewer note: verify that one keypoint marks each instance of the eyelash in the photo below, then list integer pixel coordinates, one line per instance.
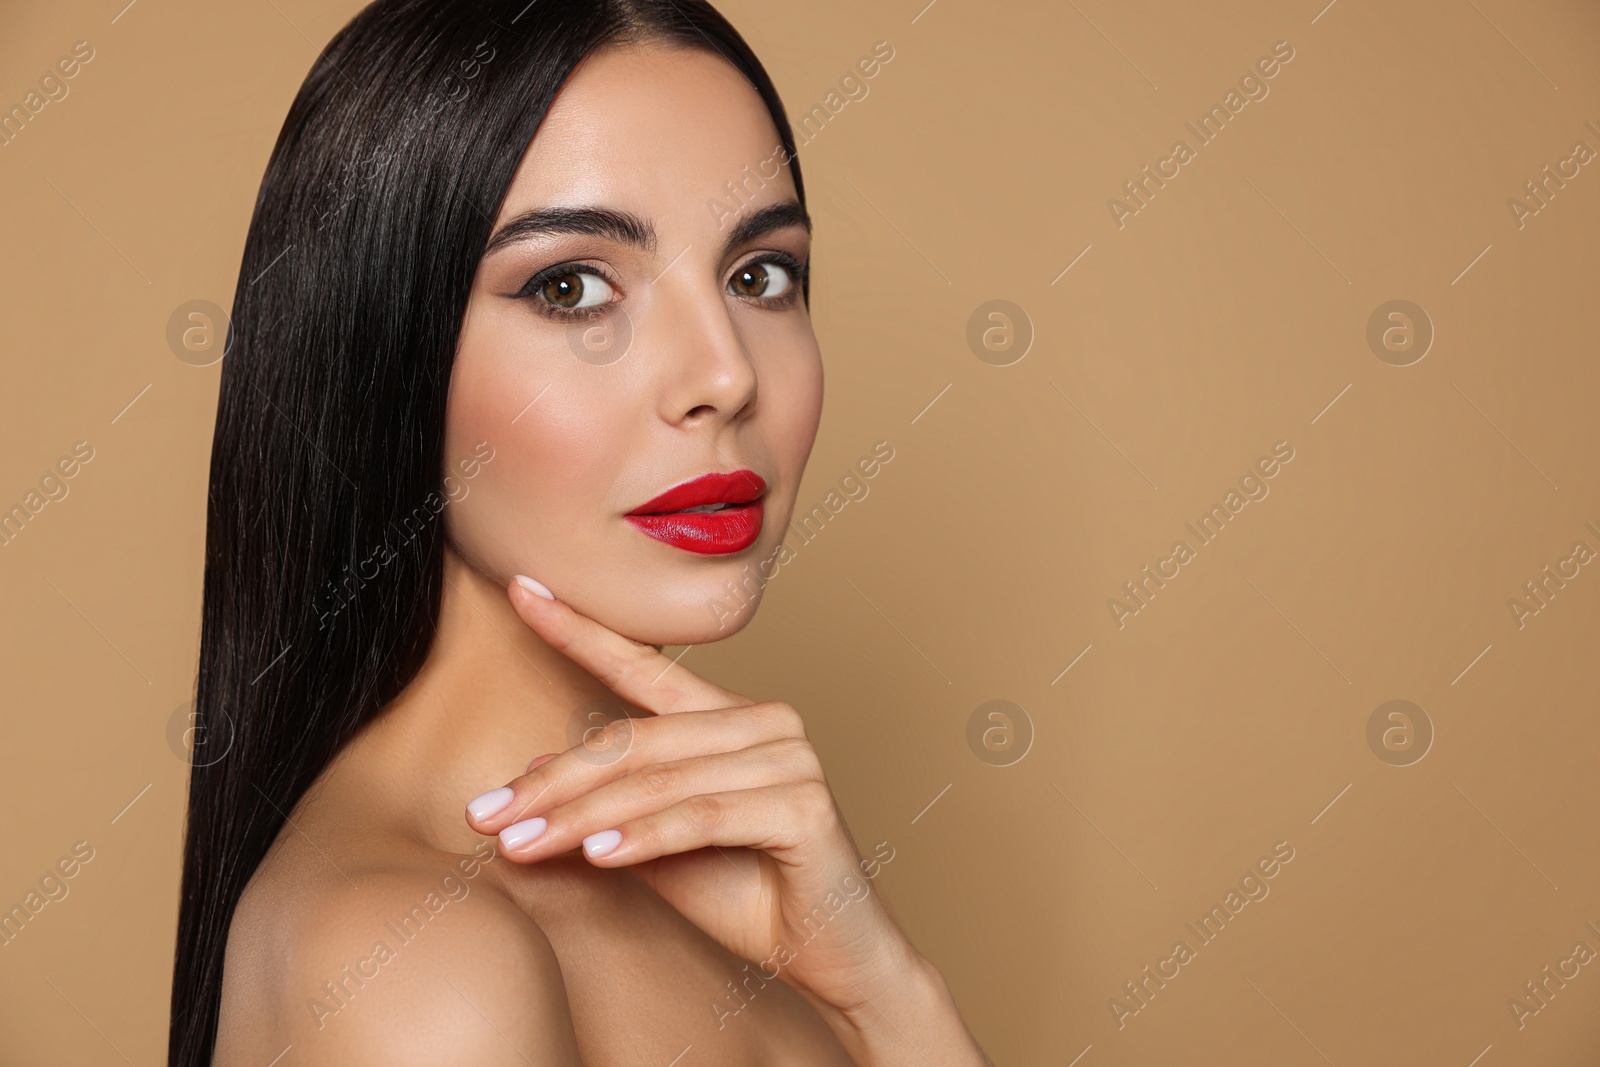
(798, 271)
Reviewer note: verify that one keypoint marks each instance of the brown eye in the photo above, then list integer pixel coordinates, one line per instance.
(564, 291)
(761, 279)
(574, 289)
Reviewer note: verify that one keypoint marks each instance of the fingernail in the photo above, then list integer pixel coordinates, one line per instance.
(534, 587)
(601, 843)
(537, 760)
(489, 803)
(520, 833)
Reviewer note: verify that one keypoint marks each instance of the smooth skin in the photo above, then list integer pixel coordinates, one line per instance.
(388, 925)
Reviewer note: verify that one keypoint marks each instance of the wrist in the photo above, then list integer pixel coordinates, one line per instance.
(908, 982)
(902, 1014)
(895, 972)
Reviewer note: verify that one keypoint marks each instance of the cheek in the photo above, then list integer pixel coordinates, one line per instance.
(542, 500)
(557, 429)
(801, 387)
(791, 397)
(789, 364)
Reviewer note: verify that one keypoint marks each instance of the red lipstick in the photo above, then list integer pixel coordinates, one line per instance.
(712, 515)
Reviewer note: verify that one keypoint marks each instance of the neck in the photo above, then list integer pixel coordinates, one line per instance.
(490, 697)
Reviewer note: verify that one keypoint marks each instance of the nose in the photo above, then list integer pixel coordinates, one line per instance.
(708, 377)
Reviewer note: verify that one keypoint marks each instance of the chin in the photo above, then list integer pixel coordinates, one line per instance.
(697, 613)
(676, 610)
(696, 631)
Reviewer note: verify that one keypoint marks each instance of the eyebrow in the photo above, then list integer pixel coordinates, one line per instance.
(630, 229)
(766, 220)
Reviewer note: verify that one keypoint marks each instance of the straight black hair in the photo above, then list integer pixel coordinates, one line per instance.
(324, 555)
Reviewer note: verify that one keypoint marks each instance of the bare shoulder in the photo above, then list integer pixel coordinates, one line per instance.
(420, 961)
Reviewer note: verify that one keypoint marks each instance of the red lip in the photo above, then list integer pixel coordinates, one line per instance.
(728, 529)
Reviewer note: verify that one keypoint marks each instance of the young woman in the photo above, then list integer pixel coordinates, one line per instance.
(521, 376)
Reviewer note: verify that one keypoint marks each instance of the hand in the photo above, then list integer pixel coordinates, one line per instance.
(719, 803)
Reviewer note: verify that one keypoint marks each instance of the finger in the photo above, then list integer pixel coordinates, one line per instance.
(653, 789)
(627, 746)
(638, 673)
(774, 819)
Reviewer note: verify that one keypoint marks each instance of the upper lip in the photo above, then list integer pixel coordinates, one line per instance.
(735, 487)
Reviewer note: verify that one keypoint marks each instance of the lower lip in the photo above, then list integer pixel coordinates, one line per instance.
(709, 533)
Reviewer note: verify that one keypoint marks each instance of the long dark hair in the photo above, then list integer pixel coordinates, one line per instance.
(322, 568)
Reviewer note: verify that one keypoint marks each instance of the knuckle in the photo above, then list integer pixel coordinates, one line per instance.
(615, 672)
(658, 780)
(705, 810)
(608, 740)
(797, 755)
(532, 786)
(628, 665)
(784, 717)
(618, 735)
(816, 800)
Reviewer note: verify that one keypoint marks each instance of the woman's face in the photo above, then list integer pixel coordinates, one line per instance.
(670, 341)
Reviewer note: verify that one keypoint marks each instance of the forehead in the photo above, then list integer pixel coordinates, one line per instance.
(653, 128)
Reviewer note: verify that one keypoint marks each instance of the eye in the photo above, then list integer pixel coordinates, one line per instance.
(763, 278)
(572, 289)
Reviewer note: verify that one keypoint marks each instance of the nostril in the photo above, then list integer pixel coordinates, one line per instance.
(700, 412)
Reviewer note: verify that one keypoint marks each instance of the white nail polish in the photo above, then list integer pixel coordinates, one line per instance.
(520, 833)
(601, 843)
(489, 803)
(534, 587)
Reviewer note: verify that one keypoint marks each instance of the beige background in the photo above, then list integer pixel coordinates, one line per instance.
(1228, 715)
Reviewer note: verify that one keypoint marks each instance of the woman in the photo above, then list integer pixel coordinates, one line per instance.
(521, 362)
